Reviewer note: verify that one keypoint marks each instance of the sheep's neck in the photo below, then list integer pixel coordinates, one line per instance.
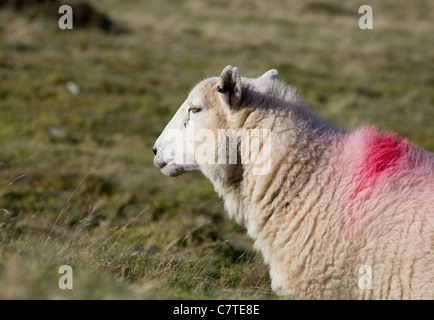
(296, 151)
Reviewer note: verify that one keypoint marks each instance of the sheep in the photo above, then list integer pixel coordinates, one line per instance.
(335, 214)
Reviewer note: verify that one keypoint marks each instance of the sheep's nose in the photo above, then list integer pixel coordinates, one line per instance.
(155, 150)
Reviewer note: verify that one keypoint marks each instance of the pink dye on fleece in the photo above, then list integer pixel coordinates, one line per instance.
(378, 158)
(384, 156)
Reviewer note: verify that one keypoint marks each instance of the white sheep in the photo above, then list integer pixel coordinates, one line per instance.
(336, 214)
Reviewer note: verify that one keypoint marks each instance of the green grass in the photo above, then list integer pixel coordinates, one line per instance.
(77, 183)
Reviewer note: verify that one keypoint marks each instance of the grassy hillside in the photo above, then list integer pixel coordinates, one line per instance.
(77, 183)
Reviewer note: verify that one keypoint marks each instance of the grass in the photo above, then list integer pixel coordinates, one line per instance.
(77, 183)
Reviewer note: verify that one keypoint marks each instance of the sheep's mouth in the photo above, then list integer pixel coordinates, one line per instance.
(159, 163)
(171, 170)
(168, 168)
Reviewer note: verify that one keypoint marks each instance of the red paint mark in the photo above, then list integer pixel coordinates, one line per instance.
(385, 155)
(380, 156)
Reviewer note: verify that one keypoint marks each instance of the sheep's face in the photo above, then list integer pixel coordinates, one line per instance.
(176, 150)
(192, 139)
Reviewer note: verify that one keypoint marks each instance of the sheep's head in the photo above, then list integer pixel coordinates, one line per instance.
(216, 105)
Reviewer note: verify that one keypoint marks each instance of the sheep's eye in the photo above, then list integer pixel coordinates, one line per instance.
(195, 109)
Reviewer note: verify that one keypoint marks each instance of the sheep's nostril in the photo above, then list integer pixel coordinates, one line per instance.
(155, 150)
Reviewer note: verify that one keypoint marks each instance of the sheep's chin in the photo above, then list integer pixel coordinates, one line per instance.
(172, 170)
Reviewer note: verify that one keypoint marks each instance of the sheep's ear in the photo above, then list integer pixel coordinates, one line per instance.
(230, 87)
(272, 74)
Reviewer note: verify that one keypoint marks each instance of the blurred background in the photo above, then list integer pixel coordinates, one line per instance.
(80, 110)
